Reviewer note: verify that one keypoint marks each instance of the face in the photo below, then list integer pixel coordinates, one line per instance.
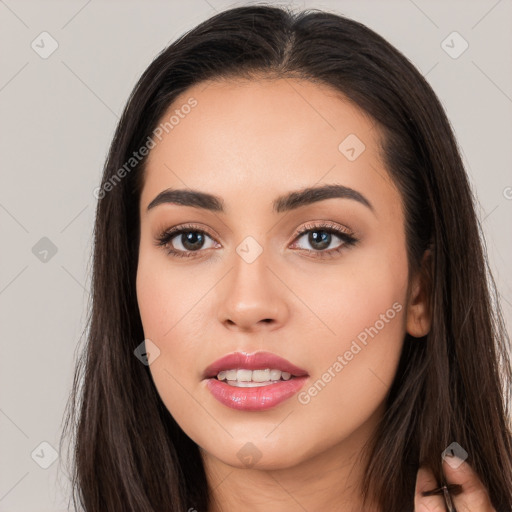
(321, 282)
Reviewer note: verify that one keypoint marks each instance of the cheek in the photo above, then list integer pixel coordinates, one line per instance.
(168, 304)
(168, 296)
(365, 308)
(349, 297)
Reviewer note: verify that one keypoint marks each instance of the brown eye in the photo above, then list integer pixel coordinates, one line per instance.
(184, 241)
(323, 236)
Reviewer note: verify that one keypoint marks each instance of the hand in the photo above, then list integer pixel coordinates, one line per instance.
(473, 498)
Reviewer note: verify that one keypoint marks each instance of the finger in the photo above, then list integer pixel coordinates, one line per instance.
(474, 495)
(425, 481)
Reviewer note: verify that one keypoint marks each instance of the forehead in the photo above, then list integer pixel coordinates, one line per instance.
(263, 137)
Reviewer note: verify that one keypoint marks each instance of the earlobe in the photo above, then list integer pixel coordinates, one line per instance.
(418, 307)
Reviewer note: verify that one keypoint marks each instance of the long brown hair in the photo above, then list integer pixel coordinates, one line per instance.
(452, 385)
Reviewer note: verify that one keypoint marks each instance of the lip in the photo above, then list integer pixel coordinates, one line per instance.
(256, 361)
(257, 398)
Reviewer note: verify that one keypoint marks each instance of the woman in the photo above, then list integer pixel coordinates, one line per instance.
(290, 299)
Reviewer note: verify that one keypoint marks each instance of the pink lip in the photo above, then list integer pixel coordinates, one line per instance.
(254, 399)
(256, 361)
(257, 398)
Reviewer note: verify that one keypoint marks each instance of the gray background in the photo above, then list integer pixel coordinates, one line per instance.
(57, 118)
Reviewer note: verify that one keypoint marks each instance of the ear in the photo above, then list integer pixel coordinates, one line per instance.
(418, 305)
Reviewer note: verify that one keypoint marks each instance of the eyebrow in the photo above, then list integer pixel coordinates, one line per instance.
(284, 203)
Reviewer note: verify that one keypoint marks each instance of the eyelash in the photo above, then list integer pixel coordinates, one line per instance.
(166, 236)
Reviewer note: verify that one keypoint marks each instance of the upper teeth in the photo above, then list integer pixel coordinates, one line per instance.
(243, 375)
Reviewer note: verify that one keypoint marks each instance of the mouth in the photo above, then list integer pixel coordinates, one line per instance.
(265, 380)
(253, 382)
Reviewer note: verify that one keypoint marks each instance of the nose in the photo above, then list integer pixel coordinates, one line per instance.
(252, 297)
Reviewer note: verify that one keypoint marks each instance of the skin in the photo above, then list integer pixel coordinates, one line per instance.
(474, 498)
(249, 142)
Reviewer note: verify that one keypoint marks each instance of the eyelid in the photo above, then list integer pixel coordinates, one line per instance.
(323, 224)
(320, 224)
